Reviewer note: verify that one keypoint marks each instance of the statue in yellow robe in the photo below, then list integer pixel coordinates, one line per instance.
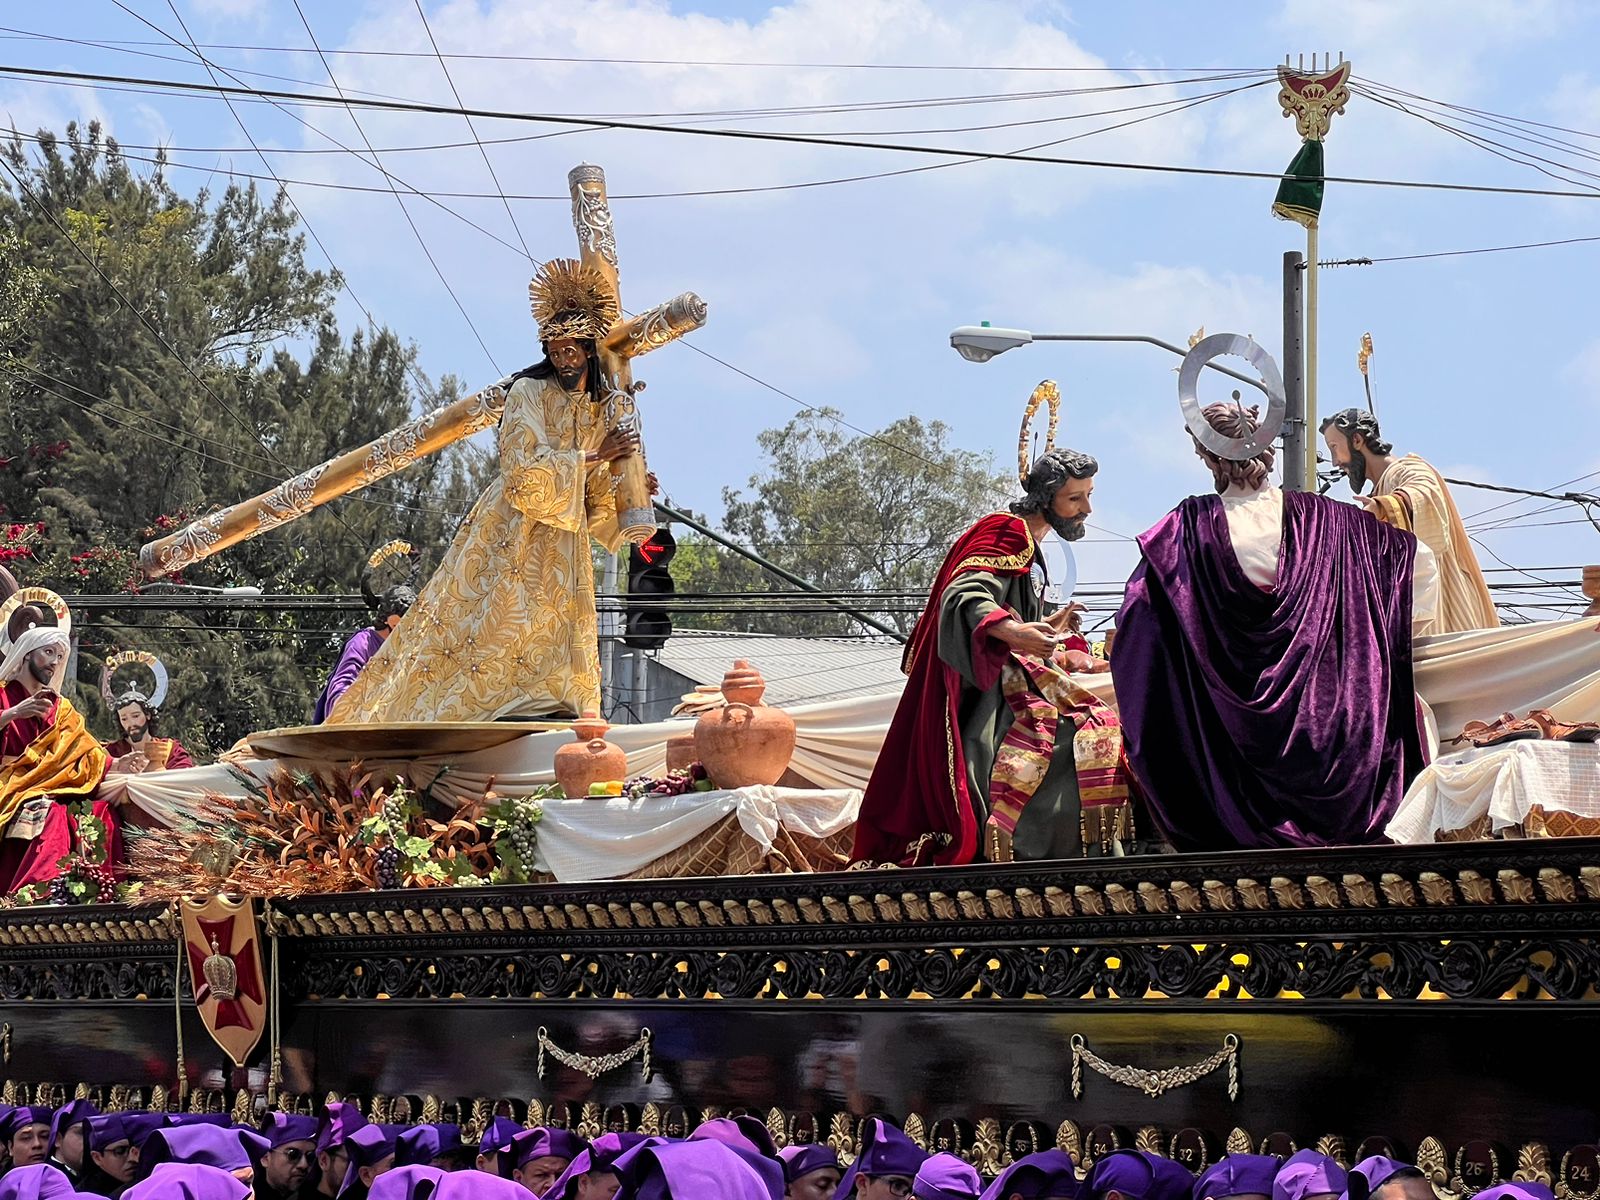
(1408, 493)
(507, 625)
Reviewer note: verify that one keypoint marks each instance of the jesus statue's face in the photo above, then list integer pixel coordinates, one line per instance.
(133, 721)
(571, 362)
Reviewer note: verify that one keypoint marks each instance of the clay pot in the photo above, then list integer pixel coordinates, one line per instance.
(590, 759)
(745, 743)
(680, 751)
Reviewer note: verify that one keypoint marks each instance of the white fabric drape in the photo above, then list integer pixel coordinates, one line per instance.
(1462, 677)
(604, 839)
(1503, 781)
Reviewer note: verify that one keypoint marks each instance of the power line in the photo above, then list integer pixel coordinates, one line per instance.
(411, 367)
(300, 216)
(1572, 241)
(677, 62)
(437, 270)
(1168, 107)
(495, 179)
(794, 138)
(141, 427)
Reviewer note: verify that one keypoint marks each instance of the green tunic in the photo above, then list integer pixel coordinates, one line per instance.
(1050, 825)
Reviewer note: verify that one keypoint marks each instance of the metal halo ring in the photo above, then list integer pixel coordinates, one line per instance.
(136, 658)
(1049, 394)
(1231, 449)
(33, 595)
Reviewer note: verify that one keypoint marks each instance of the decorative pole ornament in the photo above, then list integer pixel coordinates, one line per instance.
(1049, 394)
(1313, 99)
(1232, 449)
(623, 339)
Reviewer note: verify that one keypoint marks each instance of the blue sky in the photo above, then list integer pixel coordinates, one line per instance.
(844, 295)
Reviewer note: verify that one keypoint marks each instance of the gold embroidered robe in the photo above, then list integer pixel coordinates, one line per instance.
(506, 626)
(1411, 495)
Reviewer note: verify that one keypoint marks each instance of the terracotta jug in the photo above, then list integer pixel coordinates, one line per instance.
(591, 759)
(681, 751)
(745, 743)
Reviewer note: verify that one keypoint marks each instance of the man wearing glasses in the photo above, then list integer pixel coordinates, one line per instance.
(886, 1167)
(286, 1163)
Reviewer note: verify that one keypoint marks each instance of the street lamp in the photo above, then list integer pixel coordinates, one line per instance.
(980, 343)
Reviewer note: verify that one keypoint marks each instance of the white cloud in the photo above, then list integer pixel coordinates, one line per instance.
(231, 10)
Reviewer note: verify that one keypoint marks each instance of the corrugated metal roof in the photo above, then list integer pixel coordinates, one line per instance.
(798, 670)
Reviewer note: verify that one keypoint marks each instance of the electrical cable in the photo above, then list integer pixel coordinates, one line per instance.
(495, 179)
(405, 212)
(797, 139)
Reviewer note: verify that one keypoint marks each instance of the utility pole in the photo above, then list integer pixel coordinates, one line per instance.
(1312, 98)
(1296, 433)
(609, 631)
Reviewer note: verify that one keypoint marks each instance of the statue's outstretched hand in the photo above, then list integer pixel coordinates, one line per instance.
(1038, 638)
(1068, 619)
(36, 705)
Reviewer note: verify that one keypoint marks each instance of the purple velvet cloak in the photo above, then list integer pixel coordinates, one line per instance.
(1259, 718)
(362, 645)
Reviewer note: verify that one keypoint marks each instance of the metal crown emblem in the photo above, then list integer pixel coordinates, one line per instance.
(221, 972)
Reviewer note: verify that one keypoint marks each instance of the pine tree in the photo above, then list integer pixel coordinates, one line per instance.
(114, 431)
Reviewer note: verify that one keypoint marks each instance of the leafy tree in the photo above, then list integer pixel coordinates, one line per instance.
(874, 512)
(148, 374)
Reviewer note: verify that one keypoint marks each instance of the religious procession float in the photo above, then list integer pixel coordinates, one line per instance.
(1302, 860)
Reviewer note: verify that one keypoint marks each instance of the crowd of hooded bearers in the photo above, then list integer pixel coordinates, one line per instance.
(75, 1150)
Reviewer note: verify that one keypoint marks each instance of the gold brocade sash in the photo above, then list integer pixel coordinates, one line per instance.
(64, 760)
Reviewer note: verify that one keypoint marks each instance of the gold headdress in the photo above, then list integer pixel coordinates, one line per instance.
(570, 300)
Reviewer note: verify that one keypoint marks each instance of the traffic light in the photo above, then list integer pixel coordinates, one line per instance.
(647, 626)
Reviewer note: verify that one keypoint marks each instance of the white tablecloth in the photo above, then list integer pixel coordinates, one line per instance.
(1503, 781)
(591, 838)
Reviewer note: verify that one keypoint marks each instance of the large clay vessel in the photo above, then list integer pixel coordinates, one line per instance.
(680, 750)
(589, 760)
(744, 743)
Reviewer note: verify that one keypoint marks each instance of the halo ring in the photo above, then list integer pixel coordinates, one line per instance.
(1229, 448)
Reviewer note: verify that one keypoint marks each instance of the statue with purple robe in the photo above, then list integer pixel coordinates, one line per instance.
(1263, 658)
(363, 644)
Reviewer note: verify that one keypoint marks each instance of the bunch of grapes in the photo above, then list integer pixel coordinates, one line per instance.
(524, 814)
(677, 782)
(389, 866)
(102, 884)
(396, 813)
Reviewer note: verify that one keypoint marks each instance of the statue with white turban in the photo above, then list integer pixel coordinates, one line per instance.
(48, 758)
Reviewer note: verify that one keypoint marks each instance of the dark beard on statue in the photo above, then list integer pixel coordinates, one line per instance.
(1356, 470)
(1069, 529)
(41, 675)
(571, 378)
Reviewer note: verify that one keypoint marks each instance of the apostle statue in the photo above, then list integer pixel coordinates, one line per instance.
(1263, 656)
(506, 627)
(1409, 494)
(993, 751)
(48, 758)
(136, 711)
(388, 605)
